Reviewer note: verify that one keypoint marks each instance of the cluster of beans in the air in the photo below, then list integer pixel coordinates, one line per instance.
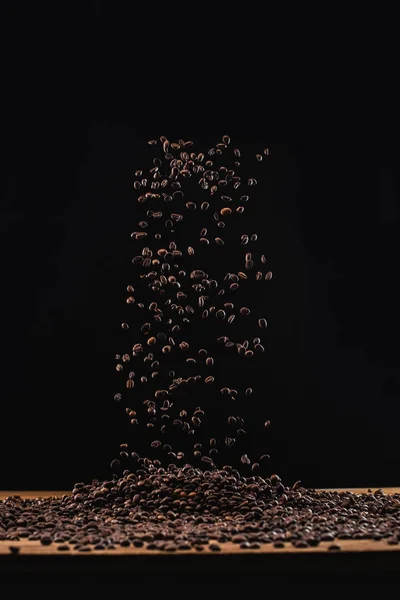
(203, 195)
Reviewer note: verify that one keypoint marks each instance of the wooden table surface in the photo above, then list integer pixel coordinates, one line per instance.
(355, 555)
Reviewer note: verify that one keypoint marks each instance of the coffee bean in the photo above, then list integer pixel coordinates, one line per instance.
(46, 540)
(225, 211)
(214, 548)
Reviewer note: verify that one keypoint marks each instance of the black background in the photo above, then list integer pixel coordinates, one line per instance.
(83, 95)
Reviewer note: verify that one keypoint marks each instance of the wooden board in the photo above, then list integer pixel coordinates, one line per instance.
(36, 548)
(356, 556)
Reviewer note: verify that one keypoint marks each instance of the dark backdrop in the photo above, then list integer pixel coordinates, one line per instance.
(75, 129)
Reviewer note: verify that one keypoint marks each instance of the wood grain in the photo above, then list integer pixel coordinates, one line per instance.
(59, 494)
(228, 548)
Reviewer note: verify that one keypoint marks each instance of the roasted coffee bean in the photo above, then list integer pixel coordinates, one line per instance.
(333, 548)
(225, 211)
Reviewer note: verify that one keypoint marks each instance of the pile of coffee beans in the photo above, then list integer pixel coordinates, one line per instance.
(187, 508)
(189, 293)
